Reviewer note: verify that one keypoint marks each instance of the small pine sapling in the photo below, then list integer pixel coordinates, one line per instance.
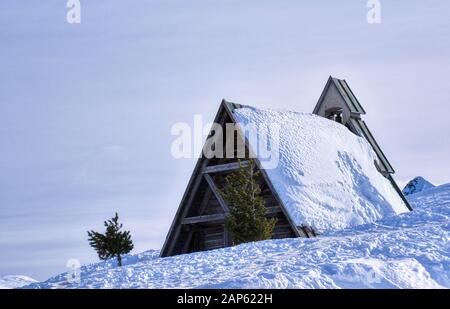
(114, 243)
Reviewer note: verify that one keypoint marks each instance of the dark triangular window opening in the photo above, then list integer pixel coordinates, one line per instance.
(334, 114)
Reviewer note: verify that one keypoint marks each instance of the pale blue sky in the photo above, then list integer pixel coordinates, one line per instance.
(86, 110)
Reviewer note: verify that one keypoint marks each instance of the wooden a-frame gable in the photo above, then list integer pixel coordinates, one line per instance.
(199, 221)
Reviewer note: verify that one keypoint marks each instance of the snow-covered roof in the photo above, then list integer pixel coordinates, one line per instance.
(326, 176)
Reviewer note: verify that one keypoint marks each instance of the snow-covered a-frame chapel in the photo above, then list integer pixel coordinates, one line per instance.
(330, 174)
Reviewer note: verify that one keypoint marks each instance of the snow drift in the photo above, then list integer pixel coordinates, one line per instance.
(13, 281)
(411, 250)
(326, 176)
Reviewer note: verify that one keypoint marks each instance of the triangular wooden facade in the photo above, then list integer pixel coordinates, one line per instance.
(199, 222)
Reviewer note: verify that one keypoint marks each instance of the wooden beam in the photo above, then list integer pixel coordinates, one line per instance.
(226, 237)
(224, 167)
(274, 210)
(216, 193)
(205, 201)
(188, 241)
(220, 217)
(204, 219)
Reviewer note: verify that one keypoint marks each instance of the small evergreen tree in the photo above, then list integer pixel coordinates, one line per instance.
(247, 220)
(113, 243)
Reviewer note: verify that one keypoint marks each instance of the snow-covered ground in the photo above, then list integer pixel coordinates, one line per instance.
(411, 250)
(11, 282)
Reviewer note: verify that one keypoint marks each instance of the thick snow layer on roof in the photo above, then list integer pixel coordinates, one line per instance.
(326, 176)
